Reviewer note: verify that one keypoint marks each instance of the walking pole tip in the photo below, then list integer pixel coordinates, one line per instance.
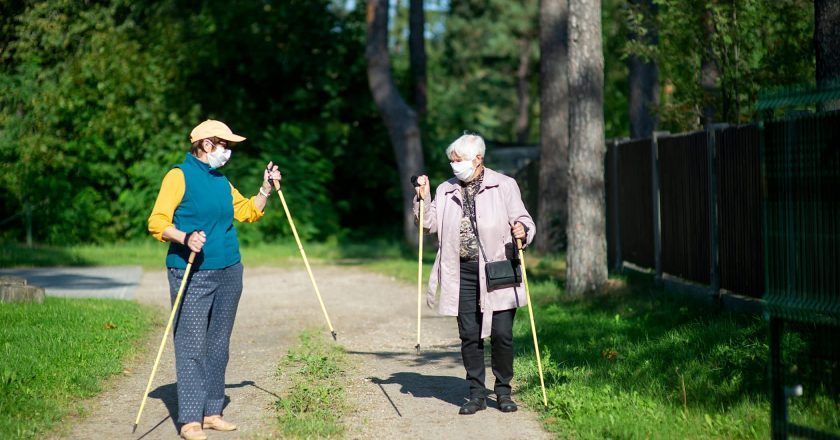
(417, 347)
(335, 338)
(134, 429)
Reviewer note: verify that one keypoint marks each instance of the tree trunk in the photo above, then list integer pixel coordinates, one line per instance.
(399, 118)
(827, 46)
(417, 53)
(523, 120)
(554, 125)
(586, 257)
(709, 71)
(643, 76)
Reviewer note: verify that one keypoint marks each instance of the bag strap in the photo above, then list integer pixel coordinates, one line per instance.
(474, 223)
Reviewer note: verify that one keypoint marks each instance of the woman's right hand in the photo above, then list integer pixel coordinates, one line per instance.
(195, 241)
(422, 187)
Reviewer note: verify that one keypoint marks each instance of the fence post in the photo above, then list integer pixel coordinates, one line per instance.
(657, 221)
(714, 229)
(617, 264)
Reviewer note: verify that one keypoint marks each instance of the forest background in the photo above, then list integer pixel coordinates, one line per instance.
(97, 97)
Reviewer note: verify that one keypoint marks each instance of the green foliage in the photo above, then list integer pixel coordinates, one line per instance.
(315, 402)
(305, 186)
(474, 68)
(84, 101)
(614, 30)
(56, 353)
(757, 45)
(96, 99)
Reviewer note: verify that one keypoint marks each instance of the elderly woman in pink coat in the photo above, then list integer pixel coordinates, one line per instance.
(477, 215)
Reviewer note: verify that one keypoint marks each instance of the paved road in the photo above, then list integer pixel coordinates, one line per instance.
(83, 282)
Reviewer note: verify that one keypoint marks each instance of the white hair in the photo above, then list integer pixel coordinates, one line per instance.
(467, 146)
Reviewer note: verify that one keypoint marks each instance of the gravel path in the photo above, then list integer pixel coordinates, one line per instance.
(392, 392)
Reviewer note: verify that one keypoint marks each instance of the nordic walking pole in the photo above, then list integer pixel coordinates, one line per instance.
(303, 254)
(165, 334)
(531, 315)
(419, 267)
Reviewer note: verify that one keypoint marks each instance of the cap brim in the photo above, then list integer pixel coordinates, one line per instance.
(231, 137)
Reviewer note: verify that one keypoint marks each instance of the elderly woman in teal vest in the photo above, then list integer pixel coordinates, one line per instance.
(194, 212)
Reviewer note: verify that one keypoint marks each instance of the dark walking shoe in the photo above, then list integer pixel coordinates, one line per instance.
(506, 404)
(473, 406)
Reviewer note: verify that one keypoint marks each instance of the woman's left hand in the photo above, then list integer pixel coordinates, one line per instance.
(518, 231)
(271, 173)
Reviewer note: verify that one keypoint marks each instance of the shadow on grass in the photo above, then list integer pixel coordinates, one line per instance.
(637, 339)
(13, 255)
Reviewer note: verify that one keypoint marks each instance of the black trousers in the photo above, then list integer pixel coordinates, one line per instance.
(472, 346)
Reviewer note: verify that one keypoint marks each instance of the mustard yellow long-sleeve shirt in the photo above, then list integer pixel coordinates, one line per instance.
(172, 192)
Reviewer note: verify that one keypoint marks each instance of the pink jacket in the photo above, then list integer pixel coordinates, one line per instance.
(498, 204)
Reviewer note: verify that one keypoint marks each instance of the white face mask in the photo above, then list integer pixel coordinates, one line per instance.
(463, 170)
(218, 157)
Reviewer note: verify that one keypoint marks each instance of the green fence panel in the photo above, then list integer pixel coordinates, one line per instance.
(801, 162)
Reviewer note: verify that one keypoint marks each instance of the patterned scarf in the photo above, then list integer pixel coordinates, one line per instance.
(469, 242)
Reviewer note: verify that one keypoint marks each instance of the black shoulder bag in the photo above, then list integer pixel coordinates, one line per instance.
(501, 273)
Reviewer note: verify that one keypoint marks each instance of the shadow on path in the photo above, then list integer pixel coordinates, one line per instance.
(445, 388)
(169, 395)
(409, 356)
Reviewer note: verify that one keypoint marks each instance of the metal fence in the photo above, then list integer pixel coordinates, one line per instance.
(741, 246)
(631, 184)
(685, 200)
(752, 210)
(688, 206)
(801, 176)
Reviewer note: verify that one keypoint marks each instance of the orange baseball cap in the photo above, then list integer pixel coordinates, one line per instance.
(211, 128)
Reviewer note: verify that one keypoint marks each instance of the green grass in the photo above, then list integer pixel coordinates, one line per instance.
(616, 362)
(54, 354)
(637, 362)
(631, 361)
(150, 254)
(315, 402)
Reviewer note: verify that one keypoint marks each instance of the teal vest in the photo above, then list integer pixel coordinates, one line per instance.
(207, 206)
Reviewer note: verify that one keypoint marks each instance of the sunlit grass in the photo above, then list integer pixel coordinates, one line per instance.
(315, 402)
(631, 361)
(634, 361)
(55, 354)
(151, 254)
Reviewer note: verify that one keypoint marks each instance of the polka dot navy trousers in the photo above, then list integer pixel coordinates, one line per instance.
(202, 338)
